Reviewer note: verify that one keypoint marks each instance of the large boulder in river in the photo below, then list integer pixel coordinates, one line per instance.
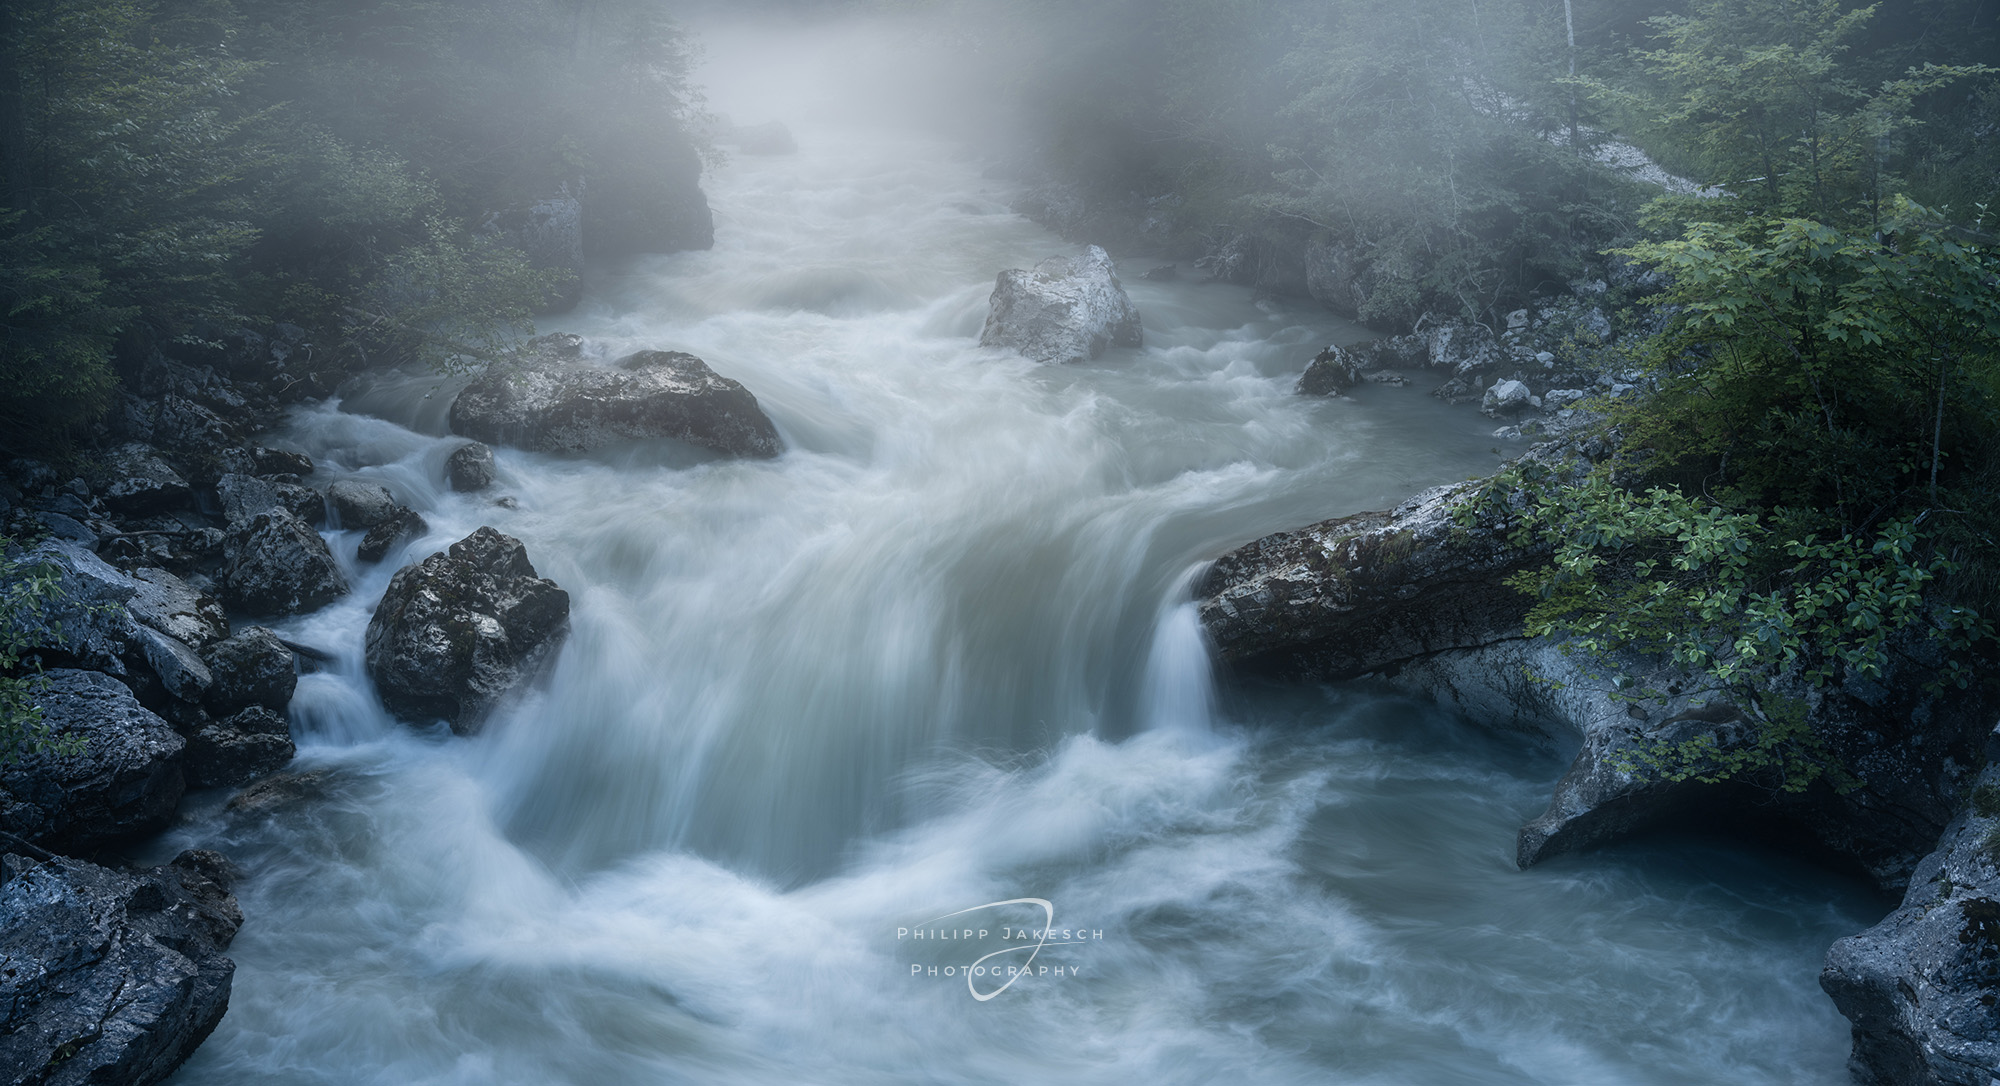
(124, 779)
(240, 748)
(275, 564)
(360, 504)
(469, 467)
(554, 400)
(459, 631)
(111, 976)
(1068, 309)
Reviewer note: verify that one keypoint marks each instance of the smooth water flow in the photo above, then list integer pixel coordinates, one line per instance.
(941, 655)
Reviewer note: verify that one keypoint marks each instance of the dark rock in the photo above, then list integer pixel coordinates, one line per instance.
(125, 781)
(111, 976)
(358, 504)
(245, 496)
(254, 667)
(177, 609)
(275, 564)
(1339, 279)
(404, 525)
(141, 482)
(1921, 987)
(1331, 372)
(646, 198)
(67, 529)
(459, 631)
(177, 666)
(265, 461)
(247, 745)
(282, 790)
(470, 467)
(552, 400)
(1068, 309)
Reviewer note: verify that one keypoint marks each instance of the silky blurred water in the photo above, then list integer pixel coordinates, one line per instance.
(938, 655)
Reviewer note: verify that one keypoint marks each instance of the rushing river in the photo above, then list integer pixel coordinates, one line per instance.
(941, 655)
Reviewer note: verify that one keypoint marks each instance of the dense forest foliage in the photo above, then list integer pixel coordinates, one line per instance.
(178, 171)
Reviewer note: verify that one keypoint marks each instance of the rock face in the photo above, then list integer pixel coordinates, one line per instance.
(1921, 986)
(1365, 593)
(358, 504)
(252, 668)
(469, 468)
(242, 748)
(1332, 372)
(124, 782)
(275, 564)
(553, 400)
(1068, 309)
(402, 524)
(143, 483)
(646, 199)
(177, 609)
(112, 977)
(459, 631)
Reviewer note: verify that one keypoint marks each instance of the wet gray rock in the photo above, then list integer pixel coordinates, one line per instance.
(245, 496)
(554, 400)
(247, 745)
(140, 482)
(279, 791)
(254, 667)
(1332, 372)
(125, 781)
(180, 669)
(264, 461)
(463, 629)
(89, 625)
(403, 525)
(358, 504)
(176, 608)
(275, 564)
(1506, 398)
(1067, 309)
(1361, 594)
(1922, 988)
(469, 467)
(112, 976)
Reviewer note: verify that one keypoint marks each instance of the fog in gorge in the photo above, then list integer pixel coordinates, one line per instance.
(943, 653)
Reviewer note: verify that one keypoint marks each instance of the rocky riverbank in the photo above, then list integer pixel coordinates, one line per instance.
(1415, 599)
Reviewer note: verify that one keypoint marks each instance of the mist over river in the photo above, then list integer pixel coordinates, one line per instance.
(941, 655)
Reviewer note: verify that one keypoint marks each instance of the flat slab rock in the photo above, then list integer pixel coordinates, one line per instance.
(1065, 310)
(553, 399)
(111, 976)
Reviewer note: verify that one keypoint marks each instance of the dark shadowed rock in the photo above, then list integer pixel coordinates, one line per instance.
(358, 504)
(112, 976)
(1332, 372)
(645, 196)
(1068, 309)
(280, 791)
(275, 564)
(462, 629)
(265, 461)
(403, 525)
(469, 467)
(141, 482)
(243, 747)
(1921, 987)
(553, 400)
(254, 667)
(125, 781)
